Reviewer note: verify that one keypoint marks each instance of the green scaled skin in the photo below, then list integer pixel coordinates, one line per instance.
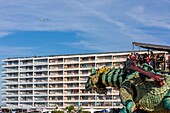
(136, 90)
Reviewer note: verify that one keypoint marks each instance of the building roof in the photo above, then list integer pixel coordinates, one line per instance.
(152, 46)
(72, 54)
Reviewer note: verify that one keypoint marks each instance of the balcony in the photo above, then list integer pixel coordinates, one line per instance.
(40, 93)
(12, 75)
(13, 94)
(40, 105)
(4, 77)
(25, 93)
(71, 60)
(85, 66)
(11, 106)
(26, 81)
(25, 106)
(40, 87)
(10, 64)
(104, 60)
(56, 93)
(56, 67)
(26, 69)
(76, 91)
(4, 82)
(3, 94)
(26, 99)
(41, 62)
(41, 69)
(12, 99)
(3, 100)
(55, 98)
(71, 81)
(40, 99)
(59, 60)
(40, 74)
(71, 66)
(30, 74)
(118, 59)
(10, 82)
(56, 80)
(12, 88)
(56, 74)
(41, 81)
(9, 70)
(52, 105)
(72, 86)
(55, 86)
(26, 87)
(26, 62)
(84, 79)
(87, 59)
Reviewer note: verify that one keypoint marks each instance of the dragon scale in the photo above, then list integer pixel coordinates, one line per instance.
(136, 90)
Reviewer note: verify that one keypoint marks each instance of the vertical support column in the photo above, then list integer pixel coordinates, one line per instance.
(63, 82)
(79, 81)
(33, 82)
(19, 83)
(48, 80)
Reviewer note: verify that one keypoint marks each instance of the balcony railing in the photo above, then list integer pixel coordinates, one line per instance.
(24, 81)
(28, 69)
(40, 99)
(104, 59)
(12, 94)
(40, 87)
(56, 93)
(12, 75)
(25, 93)
(3, 94)
(41, 68)
(56, 87)
(40, 105)
(40, 93)
(25, 106)
(9, 70)
(27, 99)
(21, 87)
(12, 88)
(54, 105)
(11, 82)
(40, 75)
(26, 63)
(11, 64)
(12, 106)
(13, 99)
(4, 81)
(40, 62)
(26, 75)
(40, 80)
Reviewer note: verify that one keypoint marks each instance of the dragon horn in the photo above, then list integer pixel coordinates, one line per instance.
(94, 70)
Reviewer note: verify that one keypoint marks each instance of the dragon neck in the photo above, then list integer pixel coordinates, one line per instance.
(111, 78)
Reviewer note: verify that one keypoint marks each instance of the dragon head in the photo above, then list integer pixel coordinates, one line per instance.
(92, 80)
(94, 83)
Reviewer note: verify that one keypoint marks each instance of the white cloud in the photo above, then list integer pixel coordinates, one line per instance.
(14, 50)
(106, 22)
(87, 45)
(2, 34)
(150, 19)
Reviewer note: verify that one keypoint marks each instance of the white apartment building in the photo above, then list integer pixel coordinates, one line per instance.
(45, 82)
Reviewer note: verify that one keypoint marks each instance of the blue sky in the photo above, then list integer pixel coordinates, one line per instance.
(80, 26)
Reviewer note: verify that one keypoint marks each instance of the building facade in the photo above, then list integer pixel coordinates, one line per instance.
(45, 82)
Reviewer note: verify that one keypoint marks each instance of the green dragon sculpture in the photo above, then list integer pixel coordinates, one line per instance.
(137, 90)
